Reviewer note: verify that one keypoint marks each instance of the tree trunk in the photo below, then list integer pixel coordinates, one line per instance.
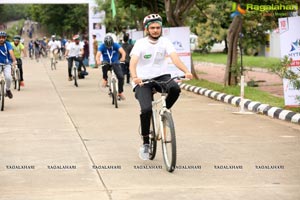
(231, 71)
(193, 71)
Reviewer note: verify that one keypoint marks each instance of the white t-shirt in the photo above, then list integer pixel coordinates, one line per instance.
(54, 44)
(152, 57)
(74, 49)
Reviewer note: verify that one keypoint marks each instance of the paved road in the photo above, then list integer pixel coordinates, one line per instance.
(60, 142)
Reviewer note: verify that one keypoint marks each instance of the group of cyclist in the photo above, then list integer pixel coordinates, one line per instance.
(147, 61)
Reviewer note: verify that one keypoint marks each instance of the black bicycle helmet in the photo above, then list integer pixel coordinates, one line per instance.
(108, 41)
(2, 33)
(17, 37)
(151, 18)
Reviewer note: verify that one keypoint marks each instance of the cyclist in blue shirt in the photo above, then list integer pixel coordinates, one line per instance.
(110, 52)
(7, 58)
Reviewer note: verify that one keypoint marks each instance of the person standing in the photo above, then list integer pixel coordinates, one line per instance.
(86, 51)
(127, 47)
(95, 49)
(19, 48)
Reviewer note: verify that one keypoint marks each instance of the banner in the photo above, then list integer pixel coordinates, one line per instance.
(180, 37)
(97, 27)
(289, 30)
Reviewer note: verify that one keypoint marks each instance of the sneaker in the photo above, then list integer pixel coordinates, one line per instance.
(121, 96)
(85, 73)
(70, 78)
(144, 152)
(22, 83)
(9, 94)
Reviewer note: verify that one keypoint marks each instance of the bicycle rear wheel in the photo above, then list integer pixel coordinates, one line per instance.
(168, 142)
(75, 76)
(153, 141)
(114, 93)
(2, 94)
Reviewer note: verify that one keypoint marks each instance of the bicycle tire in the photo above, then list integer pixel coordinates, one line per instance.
(18, 79)
(2, 94)
(114, 93)
(54, 64)
(14, 79)
(153, 139)
(168, 142)
(75, 76)
(51, 63)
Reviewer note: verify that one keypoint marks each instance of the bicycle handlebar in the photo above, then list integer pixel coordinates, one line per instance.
(145, 81)
(107, 63)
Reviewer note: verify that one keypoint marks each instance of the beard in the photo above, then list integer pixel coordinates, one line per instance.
(152, 37)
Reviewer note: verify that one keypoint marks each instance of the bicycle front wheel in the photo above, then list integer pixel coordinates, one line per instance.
(153, 139)
(168, 142)
(18, 79)
(2, 94)
(75, 76)
(114, 93)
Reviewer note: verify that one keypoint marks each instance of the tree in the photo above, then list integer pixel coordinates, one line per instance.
(62, 19)
(232, 69)
(177, 10)
(253, 25)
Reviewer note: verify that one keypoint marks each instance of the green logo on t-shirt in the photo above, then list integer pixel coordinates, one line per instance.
(147, 56)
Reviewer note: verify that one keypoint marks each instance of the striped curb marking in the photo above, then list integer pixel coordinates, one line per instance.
(253, 106)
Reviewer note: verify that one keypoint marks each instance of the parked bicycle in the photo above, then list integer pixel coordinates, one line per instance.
(162, 126)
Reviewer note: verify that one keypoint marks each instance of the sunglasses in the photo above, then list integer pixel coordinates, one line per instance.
(2, 37)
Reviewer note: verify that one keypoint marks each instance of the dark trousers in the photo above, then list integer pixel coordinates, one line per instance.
(70, 64)
(19, 64)
(144, 95)
(125, 68)
(118, 71)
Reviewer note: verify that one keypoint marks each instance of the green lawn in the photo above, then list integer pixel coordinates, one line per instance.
(252, 93)
(249, 61)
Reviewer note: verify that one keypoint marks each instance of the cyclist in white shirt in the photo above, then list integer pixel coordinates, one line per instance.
(74, 52)
(148, 60)
(54, 46)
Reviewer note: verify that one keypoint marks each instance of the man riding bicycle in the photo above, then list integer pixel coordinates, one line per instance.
(110, 52)
(17, 49)
(73, 53)
(54, 47)
(148, 60)
(7, 58)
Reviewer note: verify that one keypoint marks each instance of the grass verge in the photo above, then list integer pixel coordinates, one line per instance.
(251, 93)
(249, 61)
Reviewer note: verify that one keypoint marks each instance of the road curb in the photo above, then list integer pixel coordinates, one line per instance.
(253, 106)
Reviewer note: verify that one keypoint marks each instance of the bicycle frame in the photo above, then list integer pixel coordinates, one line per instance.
(158, 108)
(111, 78)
